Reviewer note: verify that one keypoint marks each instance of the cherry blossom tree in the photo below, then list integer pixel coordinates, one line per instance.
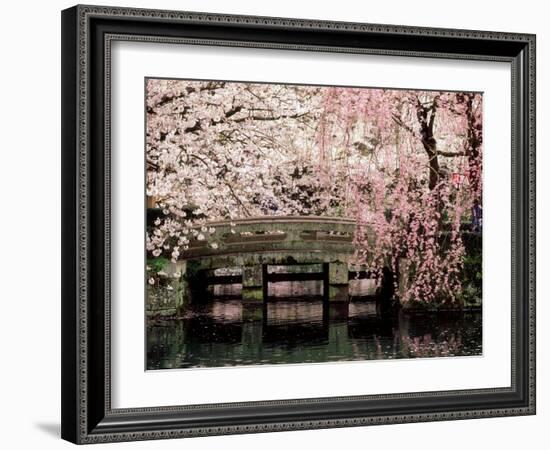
(227, 150)
(403, 193)
(223, 150)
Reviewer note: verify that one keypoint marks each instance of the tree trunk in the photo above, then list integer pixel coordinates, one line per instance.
(426, 117)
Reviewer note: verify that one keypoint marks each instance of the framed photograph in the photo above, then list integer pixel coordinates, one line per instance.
(282, 224)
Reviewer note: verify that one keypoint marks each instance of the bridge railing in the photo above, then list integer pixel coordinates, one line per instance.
(274, 233)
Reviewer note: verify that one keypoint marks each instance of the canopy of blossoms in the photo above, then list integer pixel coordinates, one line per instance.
(405, 164)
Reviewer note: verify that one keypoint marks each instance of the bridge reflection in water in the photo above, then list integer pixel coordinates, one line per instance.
(280, 291)
(226, 332)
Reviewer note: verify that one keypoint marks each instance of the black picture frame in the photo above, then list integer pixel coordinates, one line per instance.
(87, 416)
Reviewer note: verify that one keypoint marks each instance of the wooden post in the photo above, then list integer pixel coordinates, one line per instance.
(264, 282)
(253, 284)
(385, 301)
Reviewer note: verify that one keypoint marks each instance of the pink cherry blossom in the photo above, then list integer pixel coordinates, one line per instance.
(222, 151)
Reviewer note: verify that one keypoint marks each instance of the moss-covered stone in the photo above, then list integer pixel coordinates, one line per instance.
(253, 294)
(338, 293)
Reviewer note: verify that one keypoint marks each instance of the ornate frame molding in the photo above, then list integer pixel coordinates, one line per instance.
(88, 32)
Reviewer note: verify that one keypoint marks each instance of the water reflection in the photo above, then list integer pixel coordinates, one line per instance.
(291, 289)
(226, 333)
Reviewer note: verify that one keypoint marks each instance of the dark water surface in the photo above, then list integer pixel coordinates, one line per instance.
(289, 331)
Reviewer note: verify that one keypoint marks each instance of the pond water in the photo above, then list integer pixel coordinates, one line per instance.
(298, 330)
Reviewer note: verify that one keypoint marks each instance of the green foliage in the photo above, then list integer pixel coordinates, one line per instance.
(157, 264)
(193, 268)
(472, 278)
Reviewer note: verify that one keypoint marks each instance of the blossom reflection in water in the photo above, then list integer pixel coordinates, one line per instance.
(290, 331)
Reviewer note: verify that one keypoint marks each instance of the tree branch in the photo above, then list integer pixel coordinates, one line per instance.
(399, 122)
(450, 154)
(282, 116)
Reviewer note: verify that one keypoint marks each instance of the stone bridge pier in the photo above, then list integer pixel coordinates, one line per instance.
(254, 283)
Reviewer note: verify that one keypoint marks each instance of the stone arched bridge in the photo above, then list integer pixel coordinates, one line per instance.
(252, 244)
